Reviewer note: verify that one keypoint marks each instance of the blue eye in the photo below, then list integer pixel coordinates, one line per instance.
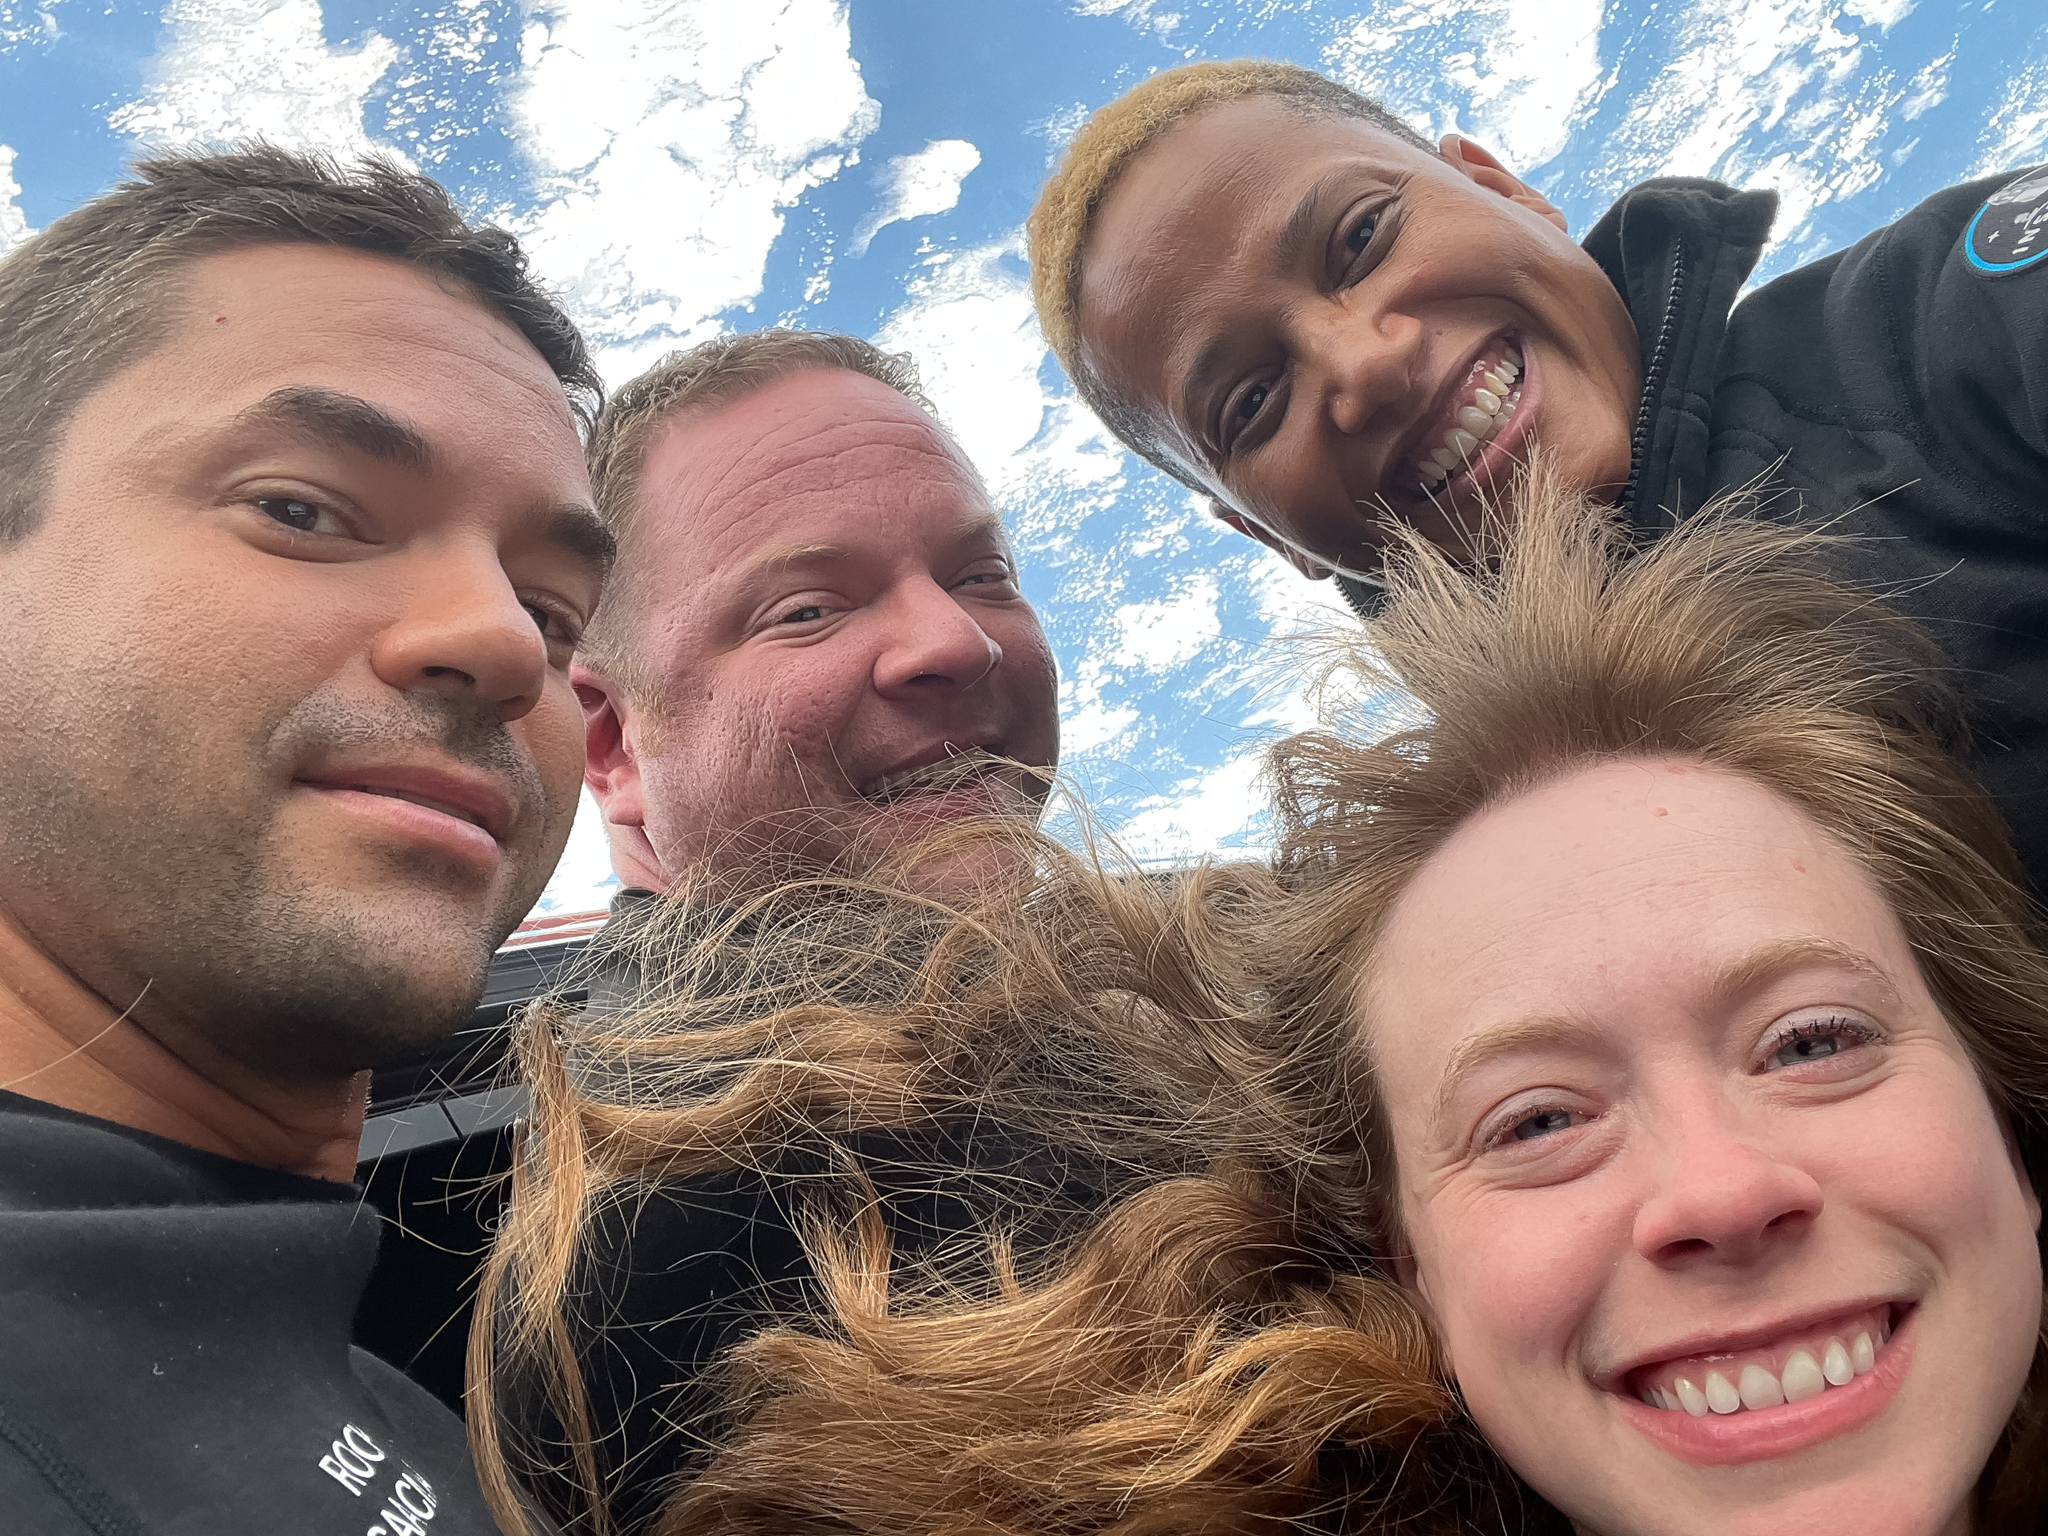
(1545, 1122)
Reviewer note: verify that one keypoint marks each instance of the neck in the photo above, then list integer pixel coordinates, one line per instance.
(62, 1043)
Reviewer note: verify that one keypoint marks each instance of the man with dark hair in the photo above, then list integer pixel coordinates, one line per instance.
(295, 545)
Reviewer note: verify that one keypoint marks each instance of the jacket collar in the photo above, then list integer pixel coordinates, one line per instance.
(1678, 249)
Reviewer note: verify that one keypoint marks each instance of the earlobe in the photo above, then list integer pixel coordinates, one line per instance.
(1477, 164)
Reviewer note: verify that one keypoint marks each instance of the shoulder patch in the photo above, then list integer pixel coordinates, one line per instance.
(2010, 232)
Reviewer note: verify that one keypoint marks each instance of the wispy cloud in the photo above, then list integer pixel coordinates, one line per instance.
(667, 140)
(237, 69)
(13, 222)
(917, 186)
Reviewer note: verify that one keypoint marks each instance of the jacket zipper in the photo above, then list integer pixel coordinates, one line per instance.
(1653, 376)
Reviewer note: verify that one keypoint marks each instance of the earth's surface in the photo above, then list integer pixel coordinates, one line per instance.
(681, 166)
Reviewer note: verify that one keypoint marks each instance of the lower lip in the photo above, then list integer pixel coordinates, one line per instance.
(1501, 452)
(413, 823)
(1728, 1439)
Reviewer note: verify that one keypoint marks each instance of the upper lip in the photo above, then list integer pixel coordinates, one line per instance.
(937, 752)
(1435, 419)
(1732, 1341)
(481, 798)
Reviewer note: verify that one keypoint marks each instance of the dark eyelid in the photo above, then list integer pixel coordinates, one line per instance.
(1342, 258)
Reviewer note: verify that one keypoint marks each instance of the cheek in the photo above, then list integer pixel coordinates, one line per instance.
(1510, 1277)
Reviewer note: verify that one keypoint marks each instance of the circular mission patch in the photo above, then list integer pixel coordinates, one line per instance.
(2010, 232)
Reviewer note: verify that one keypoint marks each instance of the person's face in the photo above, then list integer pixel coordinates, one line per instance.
(1328, 327)
(837, 637)
(1676, 1119)
(290, 738)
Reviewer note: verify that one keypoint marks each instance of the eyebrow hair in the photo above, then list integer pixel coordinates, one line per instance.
(579, 530)
(979, 525)
(1744, 974)
(337, 420)
(1301, 225)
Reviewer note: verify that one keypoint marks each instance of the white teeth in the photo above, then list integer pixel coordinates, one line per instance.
(1486, 399)
(1494, 384)
(1460, 442)
(1760, 1388)
(1447, 458)
(1836, 1365)
(1433, 473)
(1476, 421)
(1493, 402)
(1802, 1377)
(1862, 1354)
(1690, 1398)
(1721, 1397)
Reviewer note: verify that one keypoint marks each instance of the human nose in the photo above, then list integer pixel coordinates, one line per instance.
(1724, 1195)
(1362, 363)
(464, 633)
(935, 647)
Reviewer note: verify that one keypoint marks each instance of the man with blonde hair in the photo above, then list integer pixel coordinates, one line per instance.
(814, 656)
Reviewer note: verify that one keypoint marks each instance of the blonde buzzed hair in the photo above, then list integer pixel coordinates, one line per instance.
(1104, 149)
(713, 373)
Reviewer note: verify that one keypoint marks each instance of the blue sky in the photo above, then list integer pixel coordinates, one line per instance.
(679, 167)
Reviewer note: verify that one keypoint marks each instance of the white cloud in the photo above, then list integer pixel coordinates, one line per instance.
(1166, 633)
(667, 138)
(917, 186)
(1514, 75)
(2016, 129)
(1201, 813)
(13, 222)
(25, 22)
(1144, 14)
(237, 69)
(1882, 14)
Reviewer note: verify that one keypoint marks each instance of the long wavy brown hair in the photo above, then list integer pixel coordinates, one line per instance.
(1224, 1349)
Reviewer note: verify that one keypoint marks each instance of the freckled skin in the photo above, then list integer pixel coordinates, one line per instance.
(1693, 1190)
(177, 657)
(768, 729)
(1184, 248)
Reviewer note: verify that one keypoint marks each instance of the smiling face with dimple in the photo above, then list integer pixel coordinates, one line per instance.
(1708, 1205)
(1327, 327)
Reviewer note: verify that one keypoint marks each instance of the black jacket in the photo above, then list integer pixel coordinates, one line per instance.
(175, 1357)
(1896, 390)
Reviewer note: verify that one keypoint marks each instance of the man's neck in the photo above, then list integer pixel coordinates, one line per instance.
(62, 1043)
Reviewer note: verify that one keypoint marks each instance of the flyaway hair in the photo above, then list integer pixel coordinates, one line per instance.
(1220, 1345)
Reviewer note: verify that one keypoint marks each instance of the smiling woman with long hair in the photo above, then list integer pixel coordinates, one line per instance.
(1609, 1107)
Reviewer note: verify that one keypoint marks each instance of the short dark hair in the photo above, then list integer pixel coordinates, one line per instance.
(90, 294)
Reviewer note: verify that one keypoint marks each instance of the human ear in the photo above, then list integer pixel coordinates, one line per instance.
(1476, 163)
(1310, 567)
(611, 754)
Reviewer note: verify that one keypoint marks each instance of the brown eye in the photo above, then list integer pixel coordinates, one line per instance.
(289, 510)
(1361, 233)
(1254, 400)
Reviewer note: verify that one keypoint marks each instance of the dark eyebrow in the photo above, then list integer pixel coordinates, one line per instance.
(336, 420)
(580, 531)
(1304, 224)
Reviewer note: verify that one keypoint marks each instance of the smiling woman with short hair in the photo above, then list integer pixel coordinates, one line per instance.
(1609, 1109)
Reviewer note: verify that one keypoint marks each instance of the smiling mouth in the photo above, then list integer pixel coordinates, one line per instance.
(1794, 1368)
(1490, 401)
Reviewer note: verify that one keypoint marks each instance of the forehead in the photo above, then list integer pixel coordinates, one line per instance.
(1196, 210)
(820, 456)
(1616, 882)
(242, 325)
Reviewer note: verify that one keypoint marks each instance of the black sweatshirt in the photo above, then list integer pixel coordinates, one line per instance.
(175, 1356)
(1897, 390)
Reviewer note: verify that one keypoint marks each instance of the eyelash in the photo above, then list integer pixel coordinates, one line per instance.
(1816, 1029)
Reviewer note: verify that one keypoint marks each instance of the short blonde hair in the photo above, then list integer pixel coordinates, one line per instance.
(715, 372)
(1102, 151)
